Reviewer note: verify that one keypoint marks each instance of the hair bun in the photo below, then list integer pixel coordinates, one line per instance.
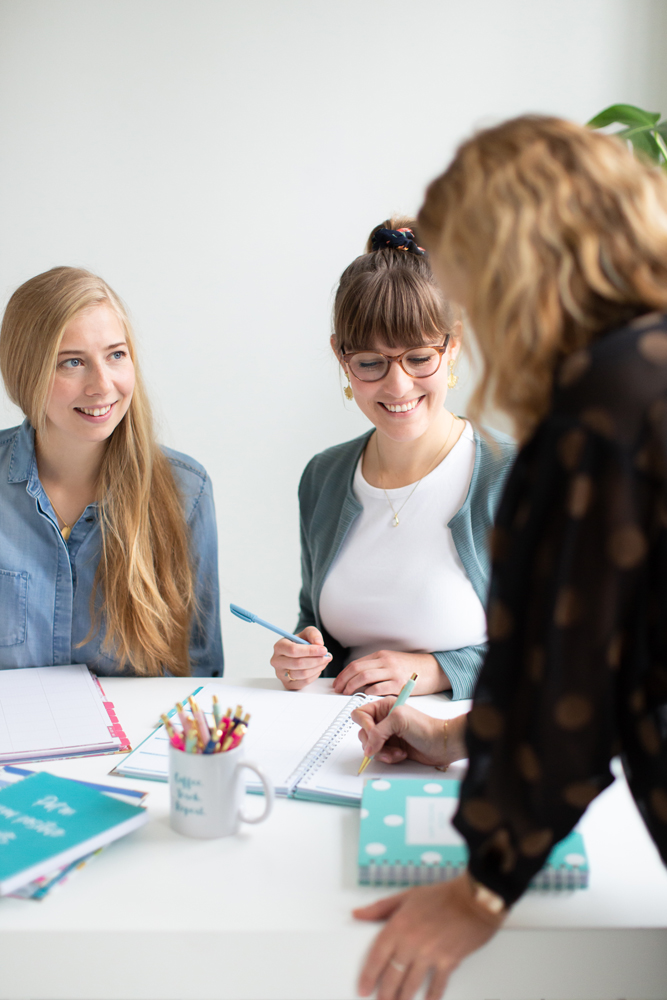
(396, 239)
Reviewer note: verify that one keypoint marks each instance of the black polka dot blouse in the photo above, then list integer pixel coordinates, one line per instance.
(577, 665)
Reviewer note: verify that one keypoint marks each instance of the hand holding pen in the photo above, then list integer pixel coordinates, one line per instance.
(405, 693)
(297, 659)
(299, 665)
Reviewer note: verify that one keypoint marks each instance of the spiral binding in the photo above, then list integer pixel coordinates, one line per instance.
(327, 742)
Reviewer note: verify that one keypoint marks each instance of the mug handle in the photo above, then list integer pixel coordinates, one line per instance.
(268, 794)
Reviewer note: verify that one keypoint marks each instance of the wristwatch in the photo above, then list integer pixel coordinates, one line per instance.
(489, 900)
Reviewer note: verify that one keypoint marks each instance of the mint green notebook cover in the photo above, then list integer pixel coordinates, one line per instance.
(406, 838)
(46, 822)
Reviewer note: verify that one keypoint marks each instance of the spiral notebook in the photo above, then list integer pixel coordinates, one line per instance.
(307, 743)
(406, 837)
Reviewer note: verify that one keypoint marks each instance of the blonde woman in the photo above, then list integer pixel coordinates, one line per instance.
(554, 238)
(395, 524)
(108, 543)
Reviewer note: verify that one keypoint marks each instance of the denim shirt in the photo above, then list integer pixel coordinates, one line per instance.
(46, 582)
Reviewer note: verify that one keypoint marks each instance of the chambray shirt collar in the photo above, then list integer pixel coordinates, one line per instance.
(23, 465)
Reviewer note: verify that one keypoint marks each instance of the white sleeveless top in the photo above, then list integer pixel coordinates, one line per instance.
(405, 587)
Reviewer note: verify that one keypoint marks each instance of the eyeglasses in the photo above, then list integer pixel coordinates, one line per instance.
(417, 362)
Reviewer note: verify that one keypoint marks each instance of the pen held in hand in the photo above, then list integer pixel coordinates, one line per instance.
(248, 616)
(403, 696)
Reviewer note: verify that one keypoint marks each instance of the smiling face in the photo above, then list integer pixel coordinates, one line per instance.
(94, 379)
(400, 406)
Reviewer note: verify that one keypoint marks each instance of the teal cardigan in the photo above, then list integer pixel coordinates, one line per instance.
(329, 508)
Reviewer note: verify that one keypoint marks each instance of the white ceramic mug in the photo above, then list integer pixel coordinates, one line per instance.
(207, 790)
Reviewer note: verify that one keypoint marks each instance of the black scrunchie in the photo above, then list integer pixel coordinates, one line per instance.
(396, 239)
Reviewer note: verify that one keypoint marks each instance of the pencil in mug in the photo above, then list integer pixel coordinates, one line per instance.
(405, 693)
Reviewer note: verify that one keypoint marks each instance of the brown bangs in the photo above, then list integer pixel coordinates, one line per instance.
(391, 297)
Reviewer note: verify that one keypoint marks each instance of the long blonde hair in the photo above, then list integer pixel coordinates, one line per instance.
(144, 574)
(560, 234)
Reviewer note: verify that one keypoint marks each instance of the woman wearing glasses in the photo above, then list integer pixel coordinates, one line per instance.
(394, 524)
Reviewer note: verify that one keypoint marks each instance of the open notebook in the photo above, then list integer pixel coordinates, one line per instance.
(307, 743)
(61, 711)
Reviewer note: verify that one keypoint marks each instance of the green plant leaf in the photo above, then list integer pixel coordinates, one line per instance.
(624, 114)
(645, 144)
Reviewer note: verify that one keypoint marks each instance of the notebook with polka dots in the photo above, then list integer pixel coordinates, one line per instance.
(407, 838)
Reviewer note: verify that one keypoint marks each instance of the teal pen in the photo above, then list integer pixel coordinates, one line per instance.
(405, 693)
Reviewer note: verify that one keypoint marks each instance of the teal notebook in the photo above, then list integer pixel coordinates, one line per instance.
(407, 838)
(47, 822)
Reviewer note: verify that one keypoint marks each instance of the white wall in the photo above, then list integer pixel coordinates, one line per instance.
(220, 163)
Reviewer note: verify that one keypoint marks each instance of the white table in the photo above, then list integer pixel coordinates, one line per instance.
(266, 914)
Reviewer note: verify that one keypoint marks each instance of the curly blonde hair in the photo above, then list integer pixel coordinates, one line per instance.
(559, 234)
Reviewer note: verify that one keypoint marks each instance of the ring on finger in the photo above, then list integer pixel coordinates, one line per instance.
(288, 675)
(398, 966)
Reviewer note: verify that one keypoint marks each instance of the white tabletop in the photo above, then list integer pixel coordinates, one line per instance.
(266, 914)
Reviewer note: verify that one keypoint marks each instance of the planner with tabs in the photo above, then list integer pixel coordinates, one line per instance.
(307, 743)
(60, 711)
(406, 837)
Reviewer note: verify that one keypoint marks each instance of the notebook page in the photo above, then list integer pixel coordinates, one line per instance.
(51, 710)
(336, 777)
(284, 726)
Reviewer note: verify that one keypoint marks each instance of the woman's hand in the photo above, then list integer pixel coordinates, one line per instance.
(386, 671)
(430, 930)
(409, 733)
(296, 665)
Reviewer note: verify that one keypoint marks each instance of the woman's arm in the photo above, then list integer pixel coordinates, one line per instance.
(461, 668)
(386, 671)
(409, 733)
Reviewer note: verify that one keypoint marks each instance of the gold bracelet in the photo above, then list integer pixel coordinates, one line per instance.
(446, 721)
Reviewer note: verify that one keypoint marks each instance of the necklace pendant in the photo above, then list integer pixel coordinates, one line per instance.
(396, 520)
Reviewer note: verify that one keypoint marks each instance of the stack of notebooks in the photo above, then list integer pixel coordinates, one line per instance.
(407, 838)
(51, 827)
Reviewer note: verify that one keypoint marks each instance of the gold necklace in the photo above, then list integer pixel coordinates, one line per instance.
(66, 529)
(395, 512)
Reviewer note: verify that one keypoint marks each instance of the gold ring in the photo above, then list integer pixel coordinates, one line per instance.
(288, 675)
(398, 966)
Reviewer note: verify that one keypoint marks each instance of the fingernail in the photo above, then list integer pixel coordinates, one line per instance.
(328, 656)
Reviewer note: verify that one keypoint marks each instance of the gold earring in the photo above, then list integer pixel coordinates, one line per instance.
(452, 378)
(348, 388)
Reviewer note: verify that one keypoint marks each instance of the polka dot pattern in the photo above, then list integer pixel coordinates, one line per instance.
(579, 794)
(576, 670)
(580, 496)
(573, 711)
(627, 546)
(481, 815)
(569, 608)
(535, 844)
(528, 763)
(653, 347)
(500, 621)
(486, 722)
(573, 368)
